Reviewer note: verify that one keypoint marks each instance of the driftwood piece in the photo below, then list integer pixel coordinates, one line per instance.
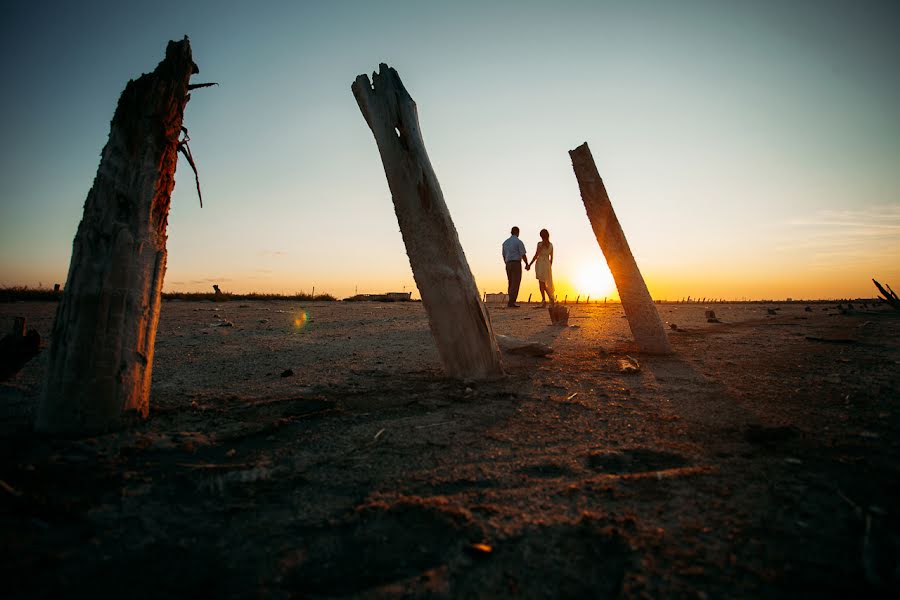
(888, 296)
(459, 322)
(628, 365)
(101, 355)
(512, 345)
(643, 318)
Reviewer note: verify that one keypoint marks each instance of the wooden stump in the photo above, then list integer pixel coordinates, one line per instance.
(101, 354)
(459, 322)
(559, 315)
(18, 328)
(643, 318)
(17, 348)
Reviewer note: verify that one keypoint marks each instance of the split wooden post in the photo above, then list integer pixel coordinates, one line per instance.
(643, 318)
(101, 355)
(459, 322)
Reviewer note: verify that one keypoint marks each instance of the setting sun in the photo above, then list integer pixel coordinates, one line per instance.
(594, 279)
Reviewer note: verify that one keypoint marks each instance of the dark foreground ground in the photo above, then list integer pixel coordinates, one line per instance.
(760, 461)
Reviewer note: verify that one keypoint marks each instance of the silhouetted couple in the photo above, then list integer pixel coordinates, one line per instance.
(514, 255)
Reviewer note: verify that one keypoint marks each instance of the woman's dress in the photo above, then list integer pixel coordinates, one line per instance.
(543, 270)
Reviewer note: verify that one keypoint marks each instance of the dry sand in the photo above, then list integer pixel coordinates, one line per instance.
(761, 460)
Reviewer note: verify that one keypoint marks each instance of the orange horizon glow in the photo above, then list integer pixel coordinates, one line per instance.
(586, 280)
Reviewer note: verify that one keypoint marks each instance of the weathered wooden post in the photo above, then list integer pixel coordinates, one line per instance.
(101, 355)
(643, 318)
(459, 322)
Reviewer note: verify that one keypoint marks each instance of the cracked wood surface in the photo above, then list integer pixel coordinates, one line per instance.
(459, 323)
(101, 356)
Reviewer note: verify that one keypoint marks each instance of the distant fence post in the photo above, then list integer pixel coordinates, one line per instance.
(643, 318)
(459, 323)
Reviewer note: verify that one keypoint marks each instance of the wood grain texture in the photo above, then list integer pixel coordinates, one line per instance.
(101, 354)
(643, 318)
(459, 322)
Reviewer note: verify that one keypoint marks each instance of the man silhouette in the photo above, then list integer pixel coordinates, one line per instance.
(514, 255)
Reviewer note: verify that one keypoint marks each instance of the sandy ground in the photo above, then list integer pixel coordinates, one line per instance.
(316, 450)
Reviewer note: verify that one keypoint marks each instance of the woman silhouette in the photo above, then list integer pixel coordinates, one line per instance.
(543, 256)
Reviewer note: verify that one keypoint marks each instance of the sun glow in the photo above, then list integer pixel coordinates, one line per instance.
(595, 280)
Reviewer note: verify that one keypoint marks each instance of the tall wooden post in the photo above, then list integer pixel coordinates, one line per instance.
(643, 318)
(101, 355)
(459, 322)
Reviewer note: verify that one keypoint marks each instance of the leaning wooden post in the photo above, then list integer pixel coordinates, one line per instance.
(643, 318)
(101, 355)
(459, 322)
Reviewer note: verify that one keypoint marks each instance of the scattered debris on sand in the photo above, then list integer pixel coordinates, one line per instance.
(752, 461)
(511, 345)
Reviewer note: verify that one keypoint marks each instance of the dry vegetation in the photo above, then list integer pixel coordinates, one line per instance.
(27, 294)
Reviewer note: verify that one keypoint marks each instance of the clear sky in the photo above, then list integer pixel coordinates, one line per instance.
(751, 149)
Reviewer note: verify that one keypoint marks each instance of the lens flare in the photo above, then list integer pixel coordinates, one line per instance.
(301, 320)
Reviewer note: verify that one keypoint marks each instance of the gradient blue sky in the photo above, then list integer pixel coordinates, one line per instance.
(750, 149)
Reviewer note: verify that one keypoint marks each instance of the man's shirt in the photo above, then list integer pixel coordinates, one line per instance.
(513, 249)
